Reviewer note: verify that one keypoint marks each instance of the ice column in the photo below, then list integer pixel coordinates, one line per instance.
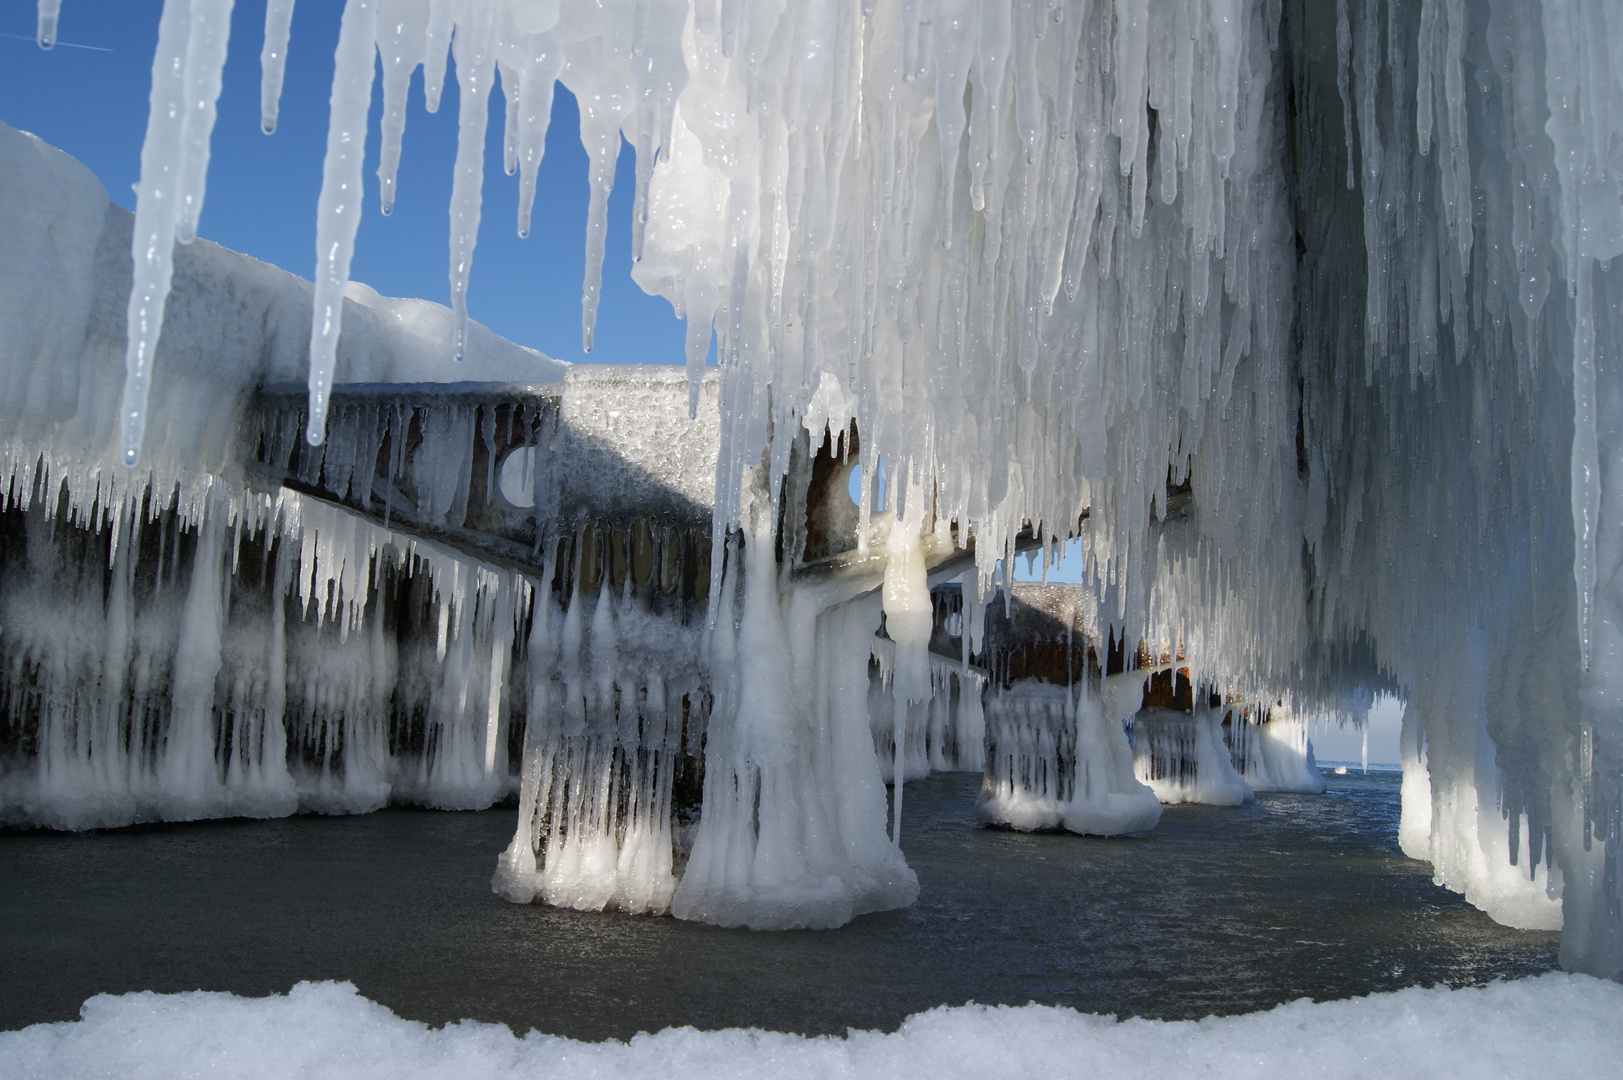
(1270, 748)
(792, 832)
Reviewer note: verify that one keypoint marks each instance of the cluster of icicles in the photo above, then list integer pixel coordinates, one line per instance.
(1459, 418)
(249, 656)
(987, 233)
(961, 225)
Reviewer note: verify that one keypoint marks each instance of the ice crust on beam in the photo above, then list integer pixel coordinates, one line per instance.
(176, 679)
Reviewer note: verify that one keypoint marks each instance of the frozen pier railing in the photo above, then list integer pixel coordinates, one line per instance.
(348, 625)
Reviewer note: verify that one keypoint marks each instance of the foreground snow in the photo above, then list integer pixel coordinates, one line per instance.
(1554, 1025)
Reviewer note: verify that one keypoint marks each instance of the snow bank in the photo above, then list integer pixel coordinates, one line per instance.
(1554, 1025)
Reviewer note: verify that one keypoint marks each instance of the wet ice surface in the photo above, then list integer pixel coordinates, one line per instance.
(1220, 910)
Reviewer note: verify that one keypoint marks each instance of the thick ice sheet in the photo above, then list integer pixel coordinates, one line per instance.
(1555, 1025)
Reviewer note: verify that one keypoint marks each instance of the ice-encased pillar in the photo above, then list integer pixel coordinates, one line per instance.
(1271, 750)
(616, 706)
(1057, 759)
(792, 832)
(1183, 759)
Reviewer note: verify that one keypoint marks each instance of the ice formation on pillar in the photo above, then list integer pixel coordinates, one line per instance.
(1183, 759)
(1456, 409)
(613, 696)
(1271, 750)
(1060, 760)
(793, 826)
(945, 733)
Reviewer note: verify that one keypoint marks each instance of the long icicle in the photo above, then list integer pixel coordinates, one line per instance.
(49, 11)
(174, 164)
(338, 212)
(273, 61)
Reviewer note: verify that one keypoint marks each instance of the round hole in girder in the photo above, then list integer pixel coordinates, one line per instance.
(853, 485)
(515, 478)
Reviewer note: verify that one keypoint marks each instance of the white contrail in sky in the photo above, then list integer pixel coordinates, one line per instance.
(60, 44)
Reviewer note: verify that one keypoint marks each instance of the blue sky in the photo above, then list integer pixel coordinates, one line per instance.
(92, 102)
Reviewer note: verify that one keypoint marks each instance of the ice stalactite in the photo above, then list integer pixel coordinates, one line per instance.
(338, 210)
(50, 12)
(273, 61)
(192, 37)
(475, 50)
(909, 618)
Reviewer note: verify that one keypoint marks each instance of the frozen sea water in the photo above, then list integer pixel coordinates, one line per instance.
(1221, 910)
